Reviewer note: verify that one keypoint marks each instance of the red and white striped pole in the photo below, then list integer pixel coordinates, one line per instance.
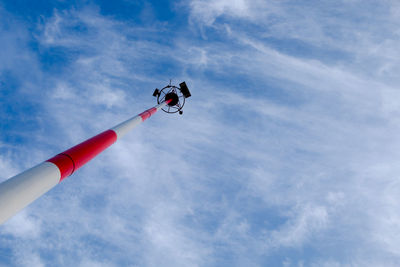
(22, 189)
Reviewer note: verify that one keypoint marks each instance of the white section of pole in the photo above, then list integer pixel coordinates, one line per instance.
(124, 127)
(22, 189)
(160, 106)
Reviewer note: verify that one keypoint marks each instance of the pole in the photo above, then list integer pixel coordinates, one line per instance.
(19, 191)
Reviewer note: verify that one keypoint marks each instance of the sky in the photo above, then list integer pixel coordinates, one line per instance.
(287, 153)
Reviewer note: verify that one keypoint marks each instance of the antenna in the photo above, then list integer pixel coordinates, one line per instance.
(19, 191)
(176, 96)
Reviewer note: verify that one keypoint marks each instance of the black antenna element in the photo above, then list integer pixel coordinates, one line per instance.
(156, 92)
(185, 90)
(176, 94)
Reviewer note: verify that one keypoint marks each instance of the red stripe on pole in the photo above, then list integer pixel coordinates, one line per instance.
(146, 114)
(64, 163)
(77, 156)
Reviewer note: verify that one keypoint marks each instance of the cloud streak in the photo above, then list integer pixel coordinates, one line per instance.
(282, 156)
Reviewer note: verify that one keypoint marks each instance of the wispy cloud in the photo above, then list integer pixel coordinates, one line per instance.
(282, 156)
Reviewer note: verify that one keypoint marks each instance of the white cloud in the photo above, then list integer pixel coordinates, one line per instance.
(21, 225)
(296, 232)
(341, 31)
(304, 159)
(208, 11)
(6, 166)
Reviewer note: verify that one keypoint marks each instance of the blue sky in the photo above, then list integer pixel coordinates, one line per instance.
(286, 155)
